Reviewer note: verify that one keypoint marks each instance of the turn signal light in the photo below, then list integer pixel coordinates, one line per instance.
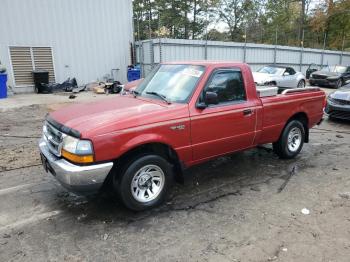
(84, 159)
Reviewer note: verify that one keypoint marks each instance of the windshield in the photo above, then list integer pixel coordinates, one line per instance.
(175, 83)
(271, 70)
(337, 69)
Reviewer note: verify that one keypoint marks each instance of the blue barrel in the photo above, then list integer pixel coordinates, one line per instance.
(3, 86)
(134, 74)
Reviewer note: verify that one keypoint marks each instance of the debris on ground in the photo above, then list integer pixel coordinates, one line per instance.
(345, 195)
(339, 136)
(82, 216)
(105, 237)
(6, 236)
(72, 96)
(305, 211)
(292, 172)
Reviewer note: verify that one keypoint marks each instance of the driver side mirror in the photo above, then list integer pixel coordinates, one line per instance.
(286, 74)
(210, 98)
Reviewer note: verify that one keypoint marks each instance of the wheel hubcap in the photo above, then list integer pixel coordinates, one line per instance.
(294, 139)
(147, 183)
(301, 84)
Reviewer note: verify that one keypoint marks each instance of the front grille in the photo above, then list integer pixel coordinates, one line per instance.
(340, 114)
(341, 102)
(54, 138)
(319, 77)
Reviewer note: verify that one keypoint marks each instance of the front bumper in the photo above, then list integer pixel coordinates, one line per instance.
(322, 82)
(337, 111)
(78, 179)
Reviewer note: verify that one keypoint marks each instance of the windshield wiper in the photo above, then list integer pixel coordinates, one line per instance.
(163, 97)
(135, 93)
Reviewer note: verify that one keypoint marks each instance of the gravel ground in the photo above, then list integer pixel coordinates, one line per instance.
(243, 207)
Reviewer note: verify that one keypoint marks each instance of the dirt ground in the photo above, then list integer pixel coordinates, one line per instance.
(243, 207)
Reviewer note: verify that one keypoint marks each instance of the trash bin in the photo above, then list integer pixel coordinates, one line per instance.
(40, 77)
(3, 86)
(134, 73)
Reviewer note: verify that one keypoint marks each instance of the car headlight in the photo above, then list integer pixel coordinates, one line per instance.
(333, 78)
(77, 151)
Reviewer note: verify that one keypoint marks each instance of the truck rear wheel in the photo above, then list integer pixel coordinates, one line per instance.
(144, 182)
(291, 141)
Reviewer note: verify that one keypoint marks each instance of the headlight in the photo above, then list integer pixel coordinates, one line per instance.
(77, 151)
(333, 78)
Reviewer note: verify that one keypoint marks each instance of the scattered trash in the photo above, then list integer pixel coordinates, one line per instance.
(284, 249)
(339, 136)
(72, 96)
(105, 237)
(82, 216)
(255, 188)
(292, 172)
(305, 211)
(345, 195)
(272, 258)
(20, 233)
(6, 236)
(335, 169)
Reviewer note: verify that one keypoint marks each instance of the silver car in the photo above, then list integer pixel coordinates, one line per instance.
(280, 76)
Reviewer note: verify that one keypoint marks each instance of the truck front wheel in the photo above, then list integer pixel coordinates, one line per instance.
(291, 141)
(144, 182)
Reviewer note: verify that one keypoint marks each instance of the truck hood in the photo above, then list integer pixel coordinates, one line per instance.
(117, 113)
(341, 94)
(261, 78)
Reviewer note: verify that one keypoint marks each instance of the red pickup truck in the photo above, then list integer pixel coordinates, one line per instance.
(180, 115)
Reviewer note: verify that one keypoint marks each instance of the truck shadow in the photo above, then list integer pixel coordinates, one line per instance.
(227, 176)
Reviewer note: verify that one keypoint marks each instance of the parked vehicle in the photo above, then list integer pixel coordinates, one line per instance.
(312, 68)
(181, 115)
(334, 76)
(285, 77)
(338, 104)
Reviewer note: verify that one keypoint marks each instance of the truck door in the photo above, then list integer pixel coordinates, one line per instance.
(227, 126)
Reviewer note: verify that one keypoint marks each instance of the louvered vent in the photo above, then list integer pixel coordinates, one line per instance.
(22, 65)
(43, 61)
(26, 59)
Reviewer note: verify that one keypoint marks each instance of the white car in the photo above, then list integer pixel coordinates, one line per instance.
(285, 77)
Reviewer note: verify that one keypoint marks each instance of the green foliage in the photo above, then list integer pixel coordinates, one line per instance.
(285, 22)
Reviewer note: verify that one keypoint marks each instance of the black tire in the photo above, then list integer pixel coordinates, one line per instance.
(282, 148)
(301, 84)
(122, 182)
(339, 83)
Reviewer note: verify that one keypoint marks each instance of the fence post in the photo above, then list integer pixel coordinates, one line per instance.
(141, 54)
(324, 47)
(151, 52)
(342, 51)
(160, 50)
(301, 52)
(275, 51)
(206, 50)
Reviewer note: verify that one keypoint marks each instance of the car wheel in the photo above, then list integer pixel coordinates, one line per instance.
(339, 83)
(301, 84)
(291, 140)
(36, 89)
(144, 182)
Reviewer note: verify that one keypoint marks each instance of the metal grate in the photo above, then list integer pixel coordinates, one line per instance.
(26, 59)
(22, 65)
(43, 61)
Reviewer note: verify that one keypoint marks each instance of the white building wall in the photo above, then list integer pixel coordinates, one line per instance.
(88, 37)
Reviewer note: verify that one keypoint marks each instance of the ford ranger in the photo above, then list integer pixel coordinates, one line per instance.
(180, 115)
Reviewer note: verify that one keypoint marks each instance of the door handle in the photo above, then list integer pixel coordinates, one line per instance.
(247, 112)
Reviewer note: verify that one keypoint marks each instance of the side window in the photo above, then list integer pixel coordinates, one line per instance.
(348, 70)
(228, 85)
